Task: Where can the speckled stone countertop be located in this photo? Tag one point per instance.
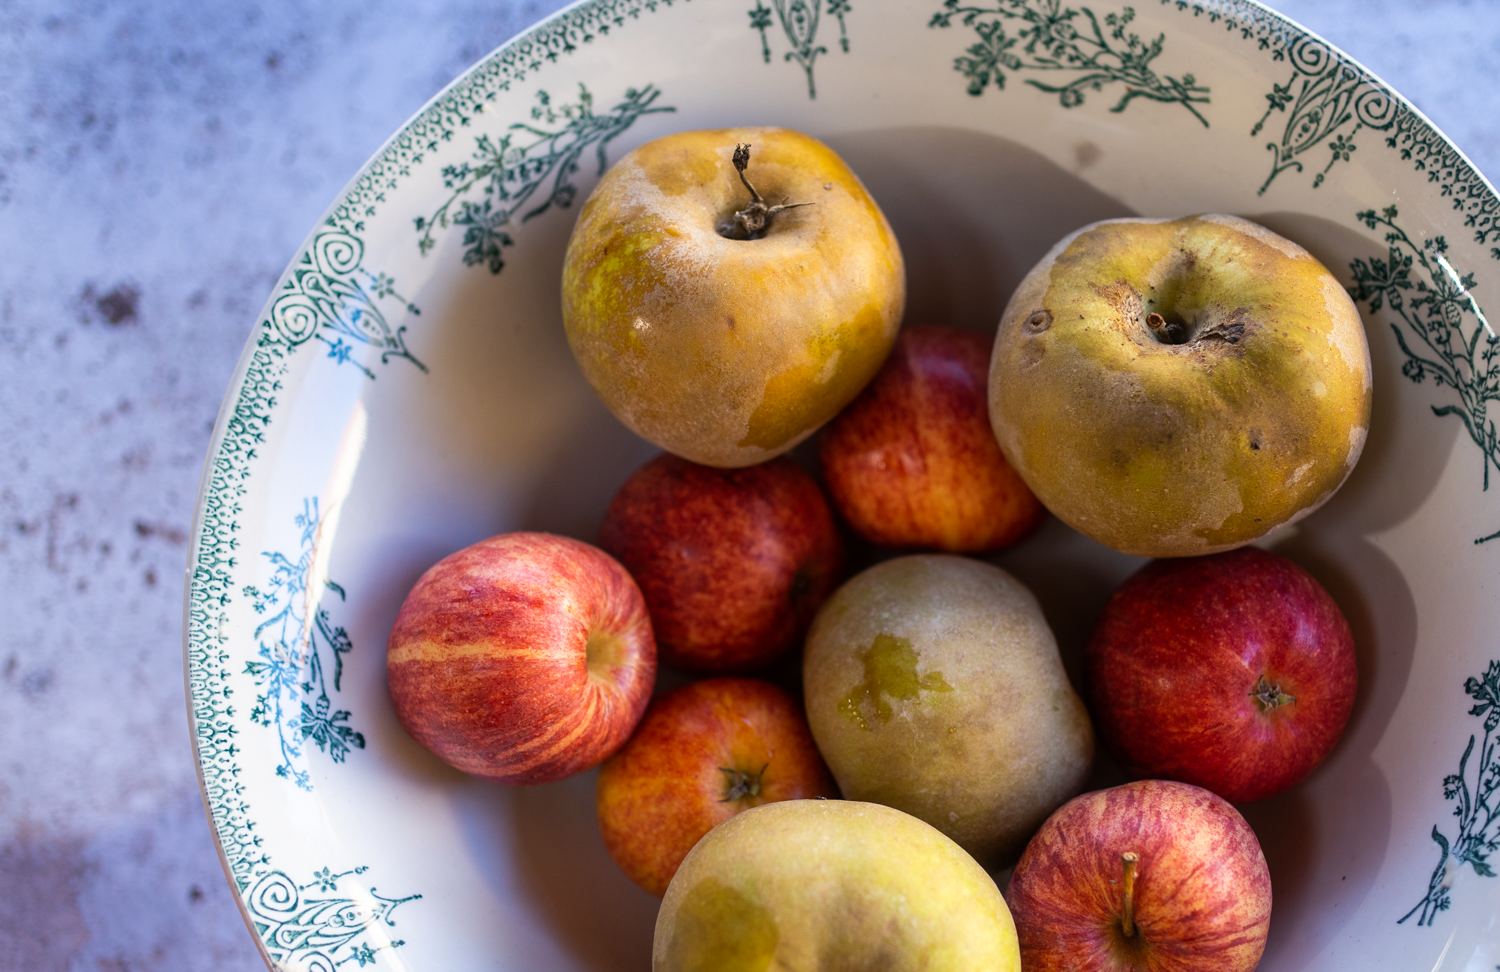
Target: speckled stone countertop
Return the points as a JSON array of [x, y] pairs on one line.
[[159, 164]]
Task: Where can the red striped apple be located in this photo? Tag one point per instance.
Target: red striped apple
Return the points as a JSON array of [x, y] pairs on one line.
[[525, 658], [1151, 876], [733, 562], [1233, 672], [702, 754], [912, 462]]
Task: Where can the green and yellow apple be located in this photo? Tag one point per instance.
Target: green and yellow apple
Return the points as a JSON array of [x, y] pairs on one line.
[[933, 685], [834, 886], [1180, 387], [727, 292]]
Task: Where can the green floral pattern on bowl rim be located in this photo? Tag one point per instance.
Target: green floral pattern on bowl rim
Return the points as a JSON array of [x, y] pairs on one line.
[[406, 391]]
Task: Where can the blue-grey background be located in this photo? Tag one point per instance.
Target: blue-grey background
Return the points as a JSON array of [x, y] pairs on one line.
[[160, 160]]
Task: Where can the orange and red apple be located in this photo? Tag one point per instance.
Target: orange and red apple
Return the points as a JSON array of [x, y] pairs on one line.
[[913, 462], [702, 754]]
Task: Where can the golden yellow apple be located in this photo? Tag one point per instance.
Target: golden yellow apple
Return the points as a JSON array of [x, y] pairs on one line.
[[834, 886], [724, 301], [1180, 387]]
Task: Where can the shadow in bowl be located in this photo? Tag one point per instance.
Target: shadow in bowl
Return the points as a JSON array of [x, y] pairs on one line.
[[1073, 577], [592, 909], [1326, 839], [969, 232], [1407, 448], [1346, 803]]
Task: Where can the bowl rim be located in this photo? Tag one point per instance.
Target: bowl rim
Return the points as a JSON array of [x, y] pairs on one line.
[[566, 31]]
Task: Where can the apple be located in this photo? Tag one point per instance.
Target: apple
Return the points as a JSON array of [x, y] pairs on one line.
[[912, 462], [1180, 387], [831, 885], [720, 327], [1154, 875], [702, 754], [732, 562], [933, 685], [524, 658], [1234, 672]]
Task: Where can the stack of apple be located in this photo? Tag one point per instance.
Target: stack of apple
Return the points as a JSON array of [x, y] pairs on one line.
[[1172, 388]]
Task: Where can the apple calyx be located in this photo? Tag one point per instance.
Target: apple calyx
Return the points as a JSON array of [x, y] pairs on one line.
[[1270, 695], [752, 222], [604, 652], [1128, 861], [739, 784]]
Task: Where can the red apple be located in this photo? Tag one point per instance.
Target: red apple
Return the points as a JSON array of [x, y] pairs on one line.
[[701, 755], [733, 562], [912, 461], [525, 658], [1233, 671], [1153, 875]]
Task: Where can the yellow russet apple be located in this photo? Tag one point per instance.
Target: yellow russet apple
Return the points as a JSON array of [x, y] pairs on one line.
[[727, 292], [1180, 387], [832, 885]]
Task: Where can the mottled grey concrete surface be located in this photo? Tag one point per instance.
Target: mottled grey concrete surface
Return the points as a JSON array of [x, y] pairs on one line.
[[159, 163]]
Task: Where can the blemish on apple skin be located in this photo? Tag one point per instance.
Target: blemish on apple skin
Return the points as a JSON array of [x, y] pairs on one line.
[[890, 673], [717, 928]]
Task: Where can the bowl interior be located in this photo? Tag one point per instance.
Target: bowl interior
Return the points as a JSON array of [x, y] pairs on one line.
[[409, 391]]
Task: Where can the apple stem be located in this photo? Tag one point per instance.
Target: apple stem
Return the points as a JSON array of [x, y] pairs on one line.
[[1128, 861], [739, 784], [1167, 332], [751, 222]]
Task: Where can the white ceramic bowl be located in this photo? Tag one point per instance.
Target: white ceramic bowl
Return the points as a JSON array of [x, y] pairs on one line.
[[408, 391]]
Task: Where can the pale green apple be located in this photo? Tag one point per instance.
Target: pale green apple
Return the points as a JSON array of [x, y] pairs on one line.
[[933, 685], [1180, 387], [831, 886]]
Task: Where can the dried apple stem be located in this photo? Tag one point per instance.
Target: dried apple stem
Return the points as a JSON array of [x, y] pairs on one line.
[[752, 222], [1128, 861], [1167, 332]]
